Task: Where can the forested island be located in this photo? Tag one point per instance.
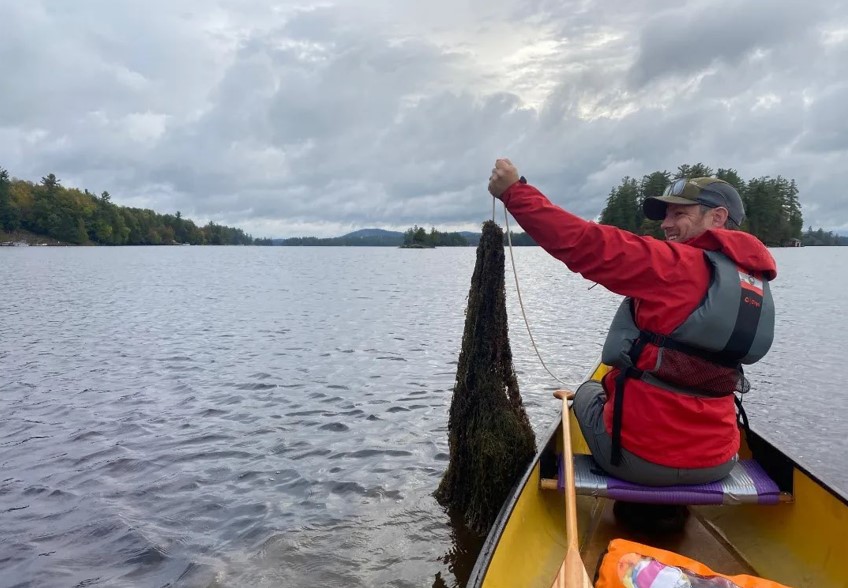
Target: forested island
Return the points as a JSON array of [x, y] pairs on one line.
[[772, 207]]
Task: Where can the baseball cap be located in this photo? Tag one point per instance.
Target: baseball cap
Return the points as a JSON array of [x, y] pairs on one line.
[[710, 192]]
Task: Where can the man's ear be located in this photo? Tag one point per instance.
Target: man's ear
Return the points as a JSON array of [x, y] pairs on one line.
[[720, 215]]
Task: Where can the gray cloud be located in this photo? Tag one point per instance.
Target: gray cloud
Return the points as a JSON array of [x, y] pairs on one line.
[[725, 33], [293, 119]]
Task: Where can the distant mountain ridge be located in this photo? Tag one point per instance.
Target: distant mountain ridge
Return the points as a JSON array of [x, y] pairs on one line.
[[373, 237], [360, 238], [372, 233]]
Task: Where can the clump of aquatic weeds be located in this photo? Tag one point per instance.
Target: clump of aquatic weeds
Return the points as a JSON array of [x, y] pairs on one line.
[[491, 440]]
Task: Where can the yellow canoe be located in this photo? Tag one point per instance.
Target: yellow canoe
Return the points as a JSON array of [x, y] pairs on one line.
[[802, 542]]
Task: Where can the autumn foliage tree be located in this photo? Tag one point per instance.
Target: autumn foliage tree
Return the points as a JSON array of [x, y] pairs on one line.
[[74, 216]]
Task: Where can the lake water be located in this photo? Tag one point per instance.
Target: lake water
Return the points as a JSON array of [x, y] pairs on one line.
[[252, 416]]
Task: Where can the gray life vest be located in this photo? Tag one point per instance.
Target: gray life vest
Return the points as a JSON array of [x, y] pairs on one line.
[[703, 356]]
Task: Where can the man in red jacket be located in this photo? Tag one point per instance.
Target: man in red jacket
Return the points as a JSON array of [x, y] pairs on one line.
[[697, 307]]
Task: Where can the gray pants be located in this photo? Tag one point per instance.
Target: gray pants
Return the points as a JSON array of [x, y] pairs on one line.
[[589, 409]]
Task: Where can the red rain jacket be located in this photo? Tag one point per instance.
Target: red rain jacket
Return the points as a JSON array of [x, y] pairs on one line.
[[667, 280]]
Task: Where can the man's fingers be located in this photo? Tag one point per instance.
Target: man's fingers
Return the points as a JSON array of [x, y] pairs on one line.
[[503, 162]]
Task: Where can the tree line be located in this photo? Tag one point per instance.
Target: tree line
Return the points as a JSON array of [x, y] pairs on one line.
[[344, 241], [413, 237], [772, 208], [821, 237], [81, 217], [383, 239], [417, 236]]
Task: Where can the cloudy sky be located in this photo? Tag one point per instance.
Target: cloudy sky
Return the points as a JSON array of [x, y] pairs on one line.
[[295, 118]]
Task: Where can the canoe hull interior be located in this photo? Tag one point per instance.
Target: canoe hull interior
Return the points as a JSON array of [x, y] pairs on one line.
[[800, 544]]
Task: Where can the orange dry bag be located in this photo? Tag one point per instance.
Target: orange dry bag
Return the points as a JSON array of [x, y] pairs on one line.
[[633, 565]]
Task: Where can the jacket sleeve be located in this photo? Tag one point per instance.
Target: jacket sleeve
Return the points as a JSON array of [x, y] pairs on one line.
[[624, 263]]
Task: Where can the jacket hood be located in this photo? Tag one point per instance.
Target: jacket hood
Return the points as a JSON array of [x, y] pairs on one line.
[[743, 248]]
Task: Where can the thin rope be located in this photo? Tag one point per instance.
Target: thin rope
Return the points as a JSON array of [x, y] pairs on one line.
[[518, 290]]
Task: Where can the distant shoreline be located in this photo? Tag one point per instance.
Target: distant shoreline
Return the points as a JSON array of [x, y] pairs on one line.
[[24, 238]]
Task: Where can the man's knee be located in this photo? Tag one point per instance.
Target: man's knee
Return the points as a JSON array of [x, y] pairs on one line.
[[588, 404]]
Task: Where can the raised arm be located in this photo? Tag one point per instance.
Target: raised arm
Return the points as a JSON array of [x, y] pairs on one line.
[[641, 267]]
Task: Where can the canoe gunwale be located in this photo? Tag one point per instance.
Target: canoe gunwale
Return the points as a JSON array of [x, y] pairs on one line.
[[773, 448]]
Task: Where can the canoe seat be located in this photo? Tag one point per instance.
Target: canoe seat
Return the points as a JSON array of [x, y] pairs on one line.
[[747, 483]]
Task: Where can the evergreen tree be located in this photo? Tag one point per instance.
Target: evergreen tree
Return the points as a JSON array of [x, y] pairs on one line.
[[699, 170], [653, 184], [45, 219], [792, 210], [10, 216], [51, 183], [773, 210], [623, 209], [731, 177], [420, 237]]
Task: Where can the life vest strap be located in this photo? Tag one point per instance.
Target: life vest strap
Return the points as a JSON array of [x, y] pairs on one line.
[[630, 371]]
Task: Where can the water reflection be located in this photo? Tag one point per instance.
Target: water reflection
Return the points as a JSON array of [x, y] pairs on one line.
[[459, 559]]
